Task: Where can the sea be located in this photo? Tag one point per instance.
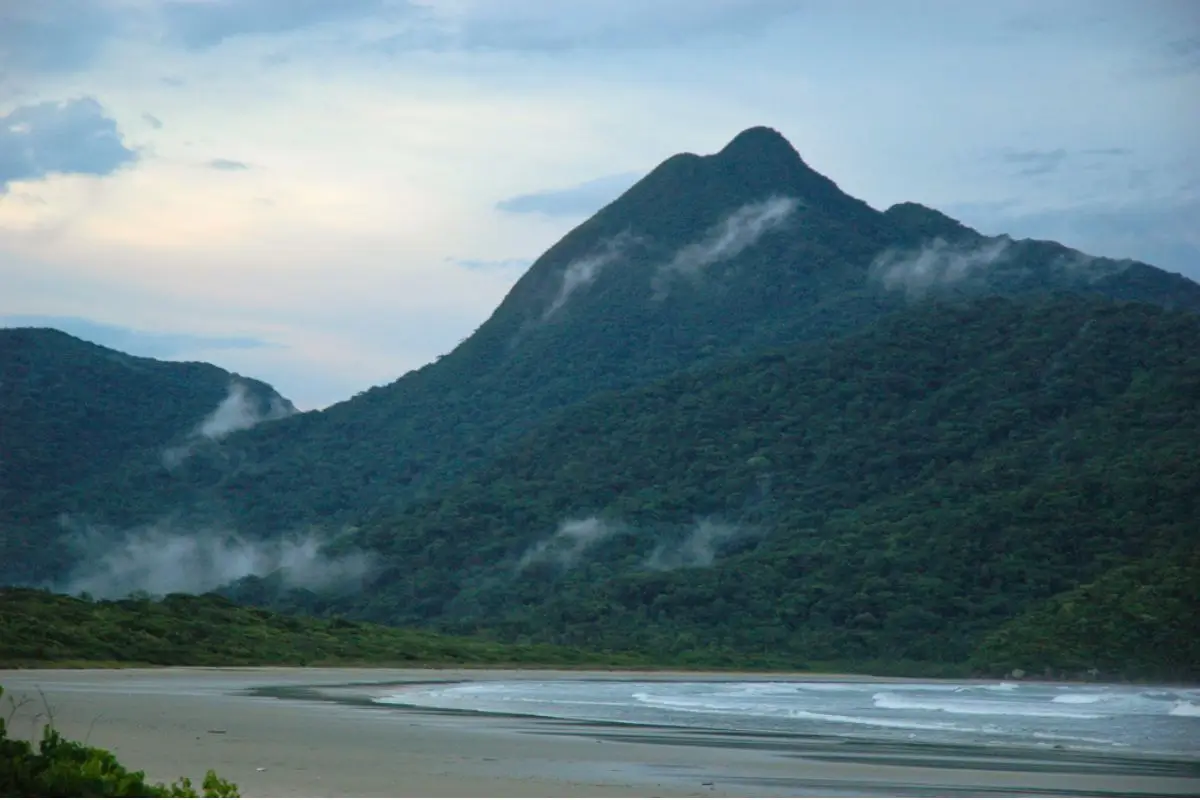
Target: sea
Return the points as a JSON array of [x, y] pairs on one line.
[[1131, 720]]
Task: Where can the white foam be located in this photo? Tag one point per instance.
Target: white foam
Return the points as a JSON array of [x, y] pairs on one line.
[[881, 723], [1063, 738], [711, 706], [896, 702], [1082, 699], [1096, 716], [1184, 709]]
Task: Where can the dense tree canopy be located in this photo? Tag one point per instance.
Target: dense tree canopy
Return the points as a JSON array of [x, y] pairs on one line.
[[890, 497], [737, 416], [40, 628]]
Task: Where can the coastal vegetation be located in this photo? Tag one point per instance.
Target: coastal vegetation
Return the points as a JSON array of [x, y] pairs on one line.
[[38, 628], [1138, 620]]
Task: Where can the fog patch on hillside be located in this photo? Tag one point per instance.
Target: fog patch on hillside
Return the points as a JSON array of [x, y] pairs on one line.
[[937, 264], [699, 548], [1090, 268], [239, 411], [735, 233], [162, 558], [569, 543], [583, 272]]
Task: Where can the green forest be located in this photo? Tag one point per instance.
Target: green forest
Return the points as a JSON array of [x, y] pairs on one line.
[[808, 454], [39, 628], [889, 499]]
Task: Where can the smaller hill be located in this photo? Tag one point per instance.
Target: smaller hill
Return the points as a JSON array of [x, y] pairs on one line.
[[72, 412], [1138, 620], [71, 408]]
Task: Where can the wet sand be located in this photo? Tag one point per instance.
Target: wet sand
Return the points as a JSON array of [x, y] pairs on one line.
[[315, 732]]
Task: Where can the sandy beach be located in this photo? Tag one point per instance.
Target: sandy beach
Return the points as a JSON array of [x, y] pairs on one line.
[[306, 732]]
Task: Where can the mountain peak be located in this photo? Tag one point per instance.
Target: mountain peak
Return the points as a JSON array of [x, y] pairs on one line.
[[760, 142]]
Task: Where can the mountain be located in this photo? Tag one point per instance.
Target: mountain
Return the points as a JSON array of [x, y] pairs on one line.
[[736, 415], [707, 258], [889, 497], [72, 413]]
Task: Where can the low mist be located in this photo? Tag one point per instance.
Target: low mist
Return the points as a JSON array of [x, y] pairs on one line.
[[727, 239], [239, 411], [1091, 268], [937, 264], [699, 548], [568, 544], [160, 559], [582, 272]]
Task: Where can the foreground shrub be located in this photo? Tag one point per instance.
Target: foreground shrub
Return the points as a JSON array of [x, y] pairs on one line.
[[60, 767]]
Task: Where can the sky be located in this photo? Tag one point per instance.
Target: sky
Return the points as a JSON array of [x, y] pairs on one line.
[[326, 194]]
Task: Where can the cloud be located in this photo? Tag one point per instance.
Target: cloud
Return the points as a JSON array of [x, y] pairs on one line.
[[572, 539], [1031, 163], [1107, 151], [492, 265], [58, 36], [239, 411], [69, 137], [727, 239], [1035, 162], [581, 200], [1182, 54], [1162, 233], [699, 549], [202, 24], [227, 165], [582, 272], [152, 121], [160, 559], [50, 36], [128, 340], [537, 26], [937, 263]]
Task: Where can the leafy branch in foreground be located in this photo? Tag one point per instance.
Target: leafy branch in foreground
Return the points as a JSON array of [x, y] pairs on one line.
[[60, 767]]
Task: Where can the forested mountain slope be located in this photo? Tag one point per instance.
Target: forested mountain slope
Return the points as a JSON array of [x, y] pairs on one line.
[[1138, 620], [892, 496], [707, 258], [73, 412]]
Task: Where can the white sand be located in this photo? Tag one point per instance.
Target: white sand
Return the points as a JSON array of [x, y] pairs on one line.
[[175, 722]]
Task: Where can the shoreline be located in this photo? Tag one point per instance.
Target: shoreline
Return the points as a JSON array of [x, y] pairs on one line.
[[306, 731], [642, 672]]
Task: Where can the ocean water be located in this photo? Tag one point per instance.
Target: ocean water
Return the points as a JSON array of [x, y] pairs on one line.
[[1131, 720]]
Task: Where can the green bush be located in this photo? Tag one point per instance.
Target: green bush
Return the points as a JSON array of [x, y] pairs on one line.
[[59, 767]]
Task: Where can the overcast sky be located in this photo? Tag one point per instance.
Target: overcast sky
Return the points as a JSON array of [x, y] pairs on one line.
[[325, 194]]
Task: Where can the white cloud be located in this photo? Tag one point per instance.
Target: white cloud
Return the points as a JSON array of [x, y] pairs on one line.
[[737, 231], [583, 271], [937, 263], [569, 543], [164, 558]]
